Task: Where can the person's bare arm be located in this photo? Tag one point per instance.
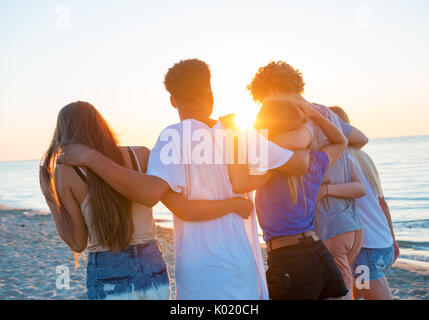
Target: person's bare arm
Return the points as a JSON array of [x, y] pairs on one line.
[[242, 181], [133, 185], [338, 143], [298, 164], [68, 218], [386, 211], [349, 190], [240, 178], [357, 138], [296, 139], [197, 210], [61, 217], [204, 210]]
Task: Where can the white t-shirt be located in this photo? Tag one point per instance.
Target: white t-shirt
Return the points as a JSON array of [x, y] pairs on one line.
[[376, 231], [221, 258]]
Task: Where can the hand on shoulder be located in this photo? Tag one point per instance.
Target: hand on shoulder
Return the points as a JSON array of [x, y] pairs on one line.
[[228, 121]]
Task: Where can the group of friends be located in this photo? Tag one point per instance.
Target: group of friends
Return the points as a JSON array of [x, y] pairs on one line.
[[318, 200]]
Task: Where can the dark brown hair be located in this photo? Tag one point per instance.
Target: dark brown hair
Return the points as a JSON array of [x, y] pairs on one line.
[[278, 76], [188, 80], [79, 122]]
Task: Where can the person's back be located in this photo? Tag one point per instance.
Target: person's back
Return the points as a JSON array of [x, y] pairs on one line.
[[285, 208], [89, 214], [144, 250], [376, 228], [213, 259], [277, 215], [334, 215], [141, 216], [379, 247], [218, 259], [337, 221]]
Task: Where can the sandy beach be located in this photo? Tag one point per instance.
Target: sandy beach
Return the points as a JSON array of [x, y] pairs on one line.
[[33, 256]]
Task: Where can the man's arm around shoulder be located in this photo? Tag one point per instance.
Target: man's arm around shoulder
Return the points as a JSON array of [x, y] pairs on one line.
[[133, 185]]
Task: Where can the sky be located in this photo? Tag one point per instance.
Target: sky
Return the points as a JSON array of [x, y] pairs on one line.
[[370, 57]]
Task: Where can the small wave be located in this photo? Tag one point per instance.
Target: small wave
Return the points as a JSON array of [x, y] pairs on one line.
[[393, 198], [422, 245], [27, 211], [412, 221], [422, 224]]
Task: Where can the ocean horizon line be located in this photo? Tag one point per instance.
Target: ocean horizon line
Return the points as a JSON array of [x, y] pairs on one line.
[[375, 138]]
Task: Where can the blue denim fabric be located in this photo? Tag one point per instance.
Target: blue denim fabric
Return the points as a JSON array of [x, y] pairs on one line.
[[333, 215], [378, 261], [138, 272]]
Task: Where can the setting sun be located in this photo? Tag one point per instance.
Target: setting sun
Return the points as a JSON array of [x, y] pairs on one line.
[[245, 120]]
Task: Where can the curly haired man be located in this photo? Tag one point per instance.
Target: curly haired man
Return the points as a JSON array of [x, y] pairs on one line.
[[338, 224]]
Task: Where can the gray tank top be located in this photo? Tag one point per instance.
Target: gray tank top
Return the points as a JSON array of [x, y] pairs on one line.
[[333, 216]]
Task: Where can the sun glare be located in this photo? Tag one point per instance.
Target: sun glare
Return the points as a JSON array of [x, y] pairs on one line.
[[245, 120]]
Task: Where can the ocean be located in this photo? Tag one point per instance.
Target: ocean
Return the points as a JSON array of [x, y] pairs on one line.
[[403, 164]]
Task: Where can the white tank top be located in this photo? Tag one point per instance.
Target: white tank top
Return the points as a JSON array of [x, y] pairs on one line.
[[144, 225]]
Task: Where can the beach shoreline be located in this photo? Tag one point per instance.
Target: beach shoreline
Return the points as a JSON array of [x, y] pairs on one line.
[[34, 257]]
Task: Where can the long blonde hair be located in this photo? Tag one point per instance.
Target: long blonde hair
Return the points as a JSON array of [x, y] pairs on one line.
[[364, 161], [79, 122], [368, 168], [280, 115]]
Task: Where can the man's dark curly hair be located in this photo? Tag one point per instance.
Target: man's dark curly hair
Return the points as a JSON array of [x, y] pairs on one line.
[[278, 76], [188, 80]]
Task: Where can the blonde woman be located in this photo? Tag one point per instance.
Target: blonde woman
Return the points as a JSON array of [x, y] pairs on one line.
[[380, 248], [300, 267]]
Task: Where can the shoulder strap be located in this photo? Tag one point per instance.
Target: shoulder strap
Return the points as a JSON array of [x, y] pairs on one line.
[[80, 173], [134, 159]]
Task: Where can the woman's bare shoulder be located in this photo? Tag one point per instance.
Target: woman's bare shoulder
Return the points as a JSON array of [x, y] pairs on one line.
[[142, 149], [143, 156], [65, 176]]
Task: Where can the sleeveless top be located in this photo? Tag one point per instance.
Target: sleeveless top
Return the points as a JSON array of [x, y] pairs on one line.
[[144, 225], [333, 215]]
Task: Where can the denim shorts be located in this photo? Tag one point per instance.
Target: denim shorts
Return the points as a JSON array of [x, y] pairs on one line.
[[305, 271], [136, 273], [377, 261]]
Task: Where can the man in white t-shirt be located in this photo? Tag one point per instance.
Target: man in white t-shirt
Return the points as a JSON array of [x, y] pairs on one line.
[[219, 258]]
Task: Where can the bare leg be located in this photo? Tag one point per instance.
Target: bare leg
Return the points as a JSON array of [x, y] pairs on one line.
[[357, 294], [378, 290]]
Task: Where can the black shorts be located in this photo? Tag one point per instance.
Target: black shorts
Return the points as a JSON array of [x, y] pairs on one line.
[[305, 271]]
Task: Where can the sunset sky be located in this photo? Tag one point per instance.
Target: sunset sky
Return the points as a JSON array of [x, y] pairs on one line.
[[370, 57]]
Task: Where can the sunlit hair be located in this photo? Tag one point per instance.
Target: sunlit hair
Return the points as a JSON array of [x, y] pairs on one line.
[[366, 164], [79, 122], [341, 113], [277, 116], [277, 76], [188, 81]]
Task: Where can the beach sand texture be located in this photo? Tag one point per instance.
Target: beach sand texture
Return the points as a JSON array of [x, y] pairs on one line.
[[31, 251]]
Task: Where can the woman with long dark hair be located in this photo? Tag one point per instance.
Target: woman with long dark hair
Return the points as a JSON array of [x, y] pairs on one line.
[[125, 260]]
